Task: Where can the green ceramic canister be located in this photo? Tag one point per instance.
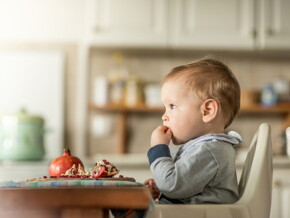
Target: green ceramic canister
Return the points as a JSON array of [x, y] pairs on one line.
[[21, 137]]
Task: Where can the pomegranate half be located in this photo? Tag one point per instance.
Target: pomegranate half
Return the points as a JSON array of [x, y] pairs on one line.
[[61, 164]]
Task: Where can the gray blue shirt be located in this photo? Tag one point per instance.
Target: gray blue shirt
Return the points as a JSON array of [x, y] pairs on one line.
[[203, 170]]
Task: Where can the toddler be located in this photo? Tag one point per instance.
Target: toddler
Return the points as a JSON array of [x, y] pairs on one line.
[[201, 99]]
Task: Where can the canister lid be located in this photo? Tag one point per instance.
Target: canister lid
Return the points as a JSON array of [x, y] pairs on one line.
[[23, 115]]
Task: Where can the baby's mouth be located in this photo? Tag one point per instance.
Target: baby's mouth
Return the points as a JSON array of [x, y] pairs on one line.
[[167, 127]]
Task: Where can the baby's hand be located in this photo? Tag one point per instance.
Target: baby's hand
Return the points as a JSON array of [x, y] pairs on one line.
[[153, 188], [161, 135]]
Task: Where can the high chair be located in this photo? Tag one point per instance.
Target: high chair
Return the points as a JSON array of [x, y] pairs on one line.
[[255, 188]]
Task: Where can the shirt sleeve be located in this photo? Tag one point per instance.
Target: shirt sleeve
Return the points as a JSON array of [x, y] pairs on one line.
[[187, 176], [157, 151]]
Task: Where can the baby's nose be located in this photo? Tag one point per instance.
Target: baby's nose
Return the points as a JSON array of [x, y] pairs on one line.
[[164, 117]]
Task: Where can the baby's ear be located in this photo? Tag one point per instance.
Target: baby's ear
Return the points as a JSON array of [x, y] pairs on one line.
[[209, 109]]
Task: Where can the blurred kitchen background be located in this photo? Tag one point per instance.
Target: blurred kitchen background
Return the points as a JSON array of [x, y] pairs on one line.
[[92, 70]]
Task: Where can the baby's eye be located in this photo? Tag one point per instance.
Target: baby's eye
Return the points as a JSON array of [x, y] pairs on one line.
[[172, 106]]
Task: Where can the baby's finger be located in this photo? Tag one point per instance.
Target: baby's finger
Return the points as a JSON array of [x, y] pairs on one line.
[[152, 183], [155, 195], [147, 182], [168, 131]]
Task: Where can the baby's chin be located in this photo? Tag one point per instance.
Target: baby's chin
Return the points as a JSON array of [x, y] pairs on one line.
[[179, 141], [176, 141]]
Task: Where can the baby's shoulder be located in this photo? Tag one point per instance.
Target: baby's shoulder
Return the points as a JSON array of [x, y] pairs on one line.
[[220, 150], [214, 148]]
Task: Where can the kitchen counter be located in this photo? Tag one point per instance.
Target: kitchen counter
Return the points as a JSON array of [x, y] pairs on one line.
[[141, 161], [135, 166], [279, 162], [130, 165]]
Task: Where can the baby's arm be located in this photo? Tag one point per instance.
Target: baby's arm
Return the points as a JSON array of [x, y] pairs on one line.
[[185, 177]]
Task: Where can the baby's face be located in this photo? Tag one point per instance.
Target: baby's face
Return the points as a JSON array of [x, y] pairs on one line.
[[183, 114]]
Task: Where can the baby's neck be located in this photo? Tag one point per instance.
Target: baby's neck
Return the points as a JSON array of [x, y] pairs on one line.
[[213, 129]]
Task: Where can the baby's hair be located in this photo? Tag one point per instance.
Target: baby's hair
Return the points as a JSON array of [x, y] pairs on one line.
[[210, 79]]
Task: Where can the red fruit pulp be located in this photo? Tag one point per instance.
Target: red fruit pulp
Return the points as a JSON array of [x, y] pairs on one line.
[[102, 173], [61, 164]]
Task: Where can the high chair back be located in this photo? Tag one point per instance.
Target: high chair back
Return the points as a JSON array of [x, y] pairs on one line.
[[255, 188]]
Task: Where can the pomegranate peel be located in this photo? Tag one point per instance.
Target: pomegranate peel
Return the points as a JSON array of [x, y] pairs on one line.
[[61, 164]]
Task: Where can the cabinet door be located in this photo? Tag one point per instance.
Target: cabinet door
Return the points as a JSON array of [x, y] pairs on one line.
[[280, 193], [226, 24], [276, 209], [127, 22], [274, 28], [285, 200], [41, 21]]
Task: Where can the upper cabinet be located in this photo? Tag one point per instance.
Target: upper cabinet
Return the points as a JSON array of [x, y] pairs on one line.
[[127, 22], [223, 24], [189, 24], [273, 24], [41, 21], [177, 24]]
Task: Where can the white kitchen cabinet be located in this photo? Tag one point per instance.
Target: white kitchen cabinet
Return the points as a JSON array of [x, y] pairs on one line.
[[170, 23], [41, 21], [126, 22], [273, 27], [280, 193], [224, 24], [276, 210], [230, 24], [285, 200], [189, 24]]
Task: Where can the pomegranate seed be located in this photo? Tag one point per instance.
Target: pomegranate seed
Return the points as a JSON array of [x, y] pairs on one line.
[[106, 162]]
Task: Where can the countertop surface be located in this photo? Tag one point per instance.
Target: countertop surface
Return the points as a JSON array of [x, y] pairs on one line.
[[130, 161], [130, 165], [140, 160], [278, 162]]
